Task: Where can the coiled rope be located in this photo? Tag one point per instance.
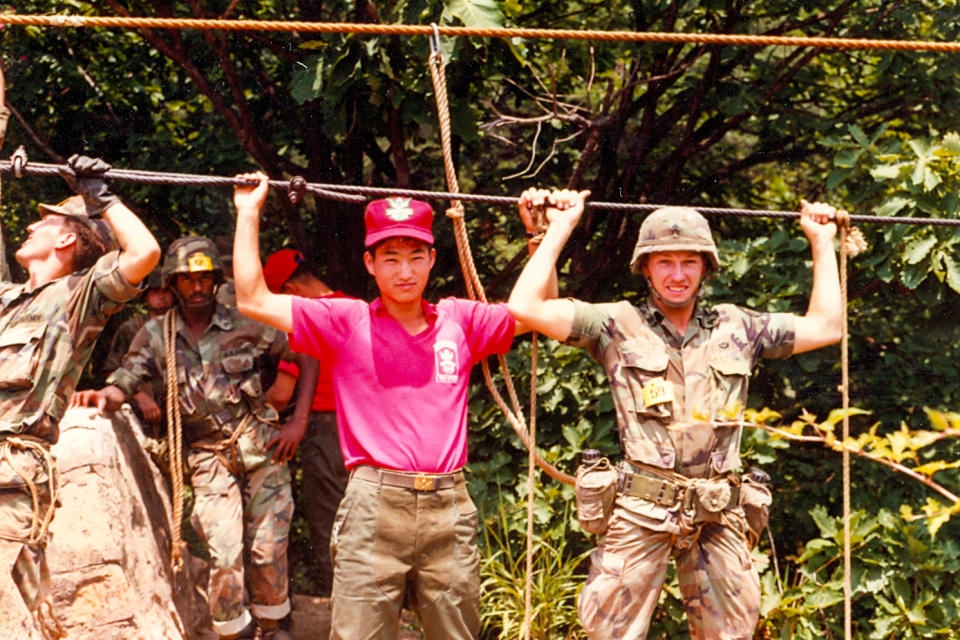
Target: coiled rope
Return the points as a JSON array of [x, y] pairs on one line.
[[174, 438], [480, 32]]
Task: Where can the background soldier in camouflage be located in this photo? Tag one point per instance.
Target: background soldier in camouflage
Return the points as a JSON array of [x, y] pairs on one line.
[[157, 298], [678, 372], [48, 328], [241, 491]]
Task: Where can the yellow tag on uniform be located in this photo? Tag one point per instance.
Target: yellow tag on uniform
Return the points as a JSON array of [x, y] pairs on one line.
[[199, 262], [657, 391]]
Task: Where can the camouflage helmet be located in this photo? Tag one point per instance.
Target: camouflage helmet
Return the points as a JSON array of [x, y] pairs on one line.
[[191, 254], [674, 229], [154, 280]]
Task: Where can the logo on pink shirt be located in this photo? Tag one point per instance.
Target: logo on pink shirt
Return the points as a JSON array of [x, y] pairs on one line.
[[445, 361]]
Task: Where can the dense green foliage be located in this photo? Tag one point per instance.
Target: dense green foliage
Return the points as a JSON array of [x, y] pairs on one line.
[[872, 131]]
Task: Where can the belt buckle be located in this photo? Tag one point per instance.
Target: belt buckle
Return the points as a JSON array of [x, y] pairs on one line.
[[424, 482]]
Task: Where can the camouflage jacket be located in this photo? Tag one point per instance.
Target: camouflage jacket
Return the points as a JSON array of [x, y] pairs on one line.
[[121, 341], [46, 337], [220, 379], [680, 399]]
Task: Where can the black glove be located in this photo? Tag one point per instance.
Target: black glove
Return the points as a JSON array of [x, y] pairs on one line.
[[84, 176]]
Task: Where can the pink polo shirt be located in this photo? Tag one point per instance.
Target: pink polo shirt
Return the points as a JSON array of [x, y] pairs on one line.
[[401, 399]]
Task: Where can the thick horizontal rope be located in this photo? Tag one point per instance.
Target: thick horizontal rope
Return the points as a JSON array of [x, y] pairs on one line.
[[505, 32], [159, 177], [356, 193]]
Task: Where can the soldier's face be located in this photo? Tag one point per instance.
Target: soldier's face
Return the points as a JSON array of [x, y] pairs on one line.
[[195, 289], [43, 237], [675, 275], [159, 300], [401, 267]]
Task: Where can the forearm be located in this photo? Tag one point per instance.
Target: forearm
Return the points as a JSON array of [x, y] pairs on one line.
[[822, 324], [538, 280], [306, 386], [254, 299], [139, 249]]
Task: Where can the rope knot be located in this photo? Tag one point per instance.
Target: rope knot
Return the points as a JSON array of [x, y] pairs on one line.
[[455, 212], [852, 240], [298, 186], [19, 161]]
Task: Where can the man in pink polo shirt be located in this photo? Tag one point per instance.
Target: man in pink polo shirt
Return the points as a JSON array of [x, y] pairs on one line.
[[406, 529]]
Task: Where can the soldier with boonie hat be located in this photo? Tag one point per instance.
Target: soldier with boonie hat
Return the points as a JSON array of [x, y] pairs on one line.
[[678, 370], [84, 258]]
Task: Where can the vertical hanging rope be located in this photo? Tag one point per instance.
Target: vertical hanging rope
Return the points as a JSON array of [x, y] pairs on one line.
[[174, 438], [531, 485], [844, 224], [475, 291], [471, 279]]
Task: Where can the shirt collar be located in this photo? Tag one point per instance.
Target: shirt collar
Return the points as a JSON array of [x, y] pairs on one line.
[[222, 318], [703, 314], [429, 310]]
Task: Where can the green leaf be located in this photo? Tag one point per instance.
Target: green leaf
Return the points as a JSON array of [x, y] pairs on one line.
[[951, 142], [893, 206], [825, 597], [918, 249], [827, 524], [952, 272], [483, 14], [887, 171]]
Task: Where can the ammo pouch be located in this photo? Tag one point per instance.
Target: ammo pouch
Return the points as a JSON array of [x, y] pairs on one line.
[[596, 488], [755, 498]]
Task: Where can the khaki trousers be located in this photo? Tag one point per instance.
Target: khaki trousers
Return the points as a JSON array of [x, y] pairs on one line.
[[718, 582], [393, 547]]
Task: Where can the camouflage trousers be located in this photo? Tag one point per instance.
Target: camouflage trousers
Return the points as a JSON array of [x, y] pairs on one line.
[[718, 582], [392, 547], [242, 519], [24, 577], [323, 481]]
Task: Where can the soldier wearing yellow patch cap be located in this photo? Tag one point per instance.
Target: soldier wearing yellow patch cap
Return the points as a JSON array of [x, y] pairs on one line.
[[241, 485]]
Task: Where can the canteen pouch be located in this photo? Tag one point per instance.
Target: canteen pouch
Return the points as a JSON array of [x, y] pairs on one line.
[[596, 488], [755, 498], [713, 497]]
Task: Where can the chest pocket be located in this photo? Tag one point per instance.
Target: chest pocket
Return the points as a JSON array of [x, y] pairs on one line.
[[20, 355], [644, 370], [730, 369], [241, 374]]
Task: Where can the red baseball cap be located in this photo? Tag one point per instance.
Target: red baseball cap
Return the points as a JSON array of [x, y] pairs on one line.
[[398, 217], [280, 266]]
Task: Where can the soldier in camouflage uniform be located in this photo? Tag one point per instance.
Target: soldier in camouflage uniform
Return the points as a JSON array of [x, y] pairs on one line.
[[678, 370], [48, 328], [157, 298], [242, 499]]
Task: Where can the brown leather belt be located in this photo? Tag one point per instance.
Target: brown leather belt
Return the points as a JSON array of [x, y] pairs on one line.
[[664, 492], [407, 480]]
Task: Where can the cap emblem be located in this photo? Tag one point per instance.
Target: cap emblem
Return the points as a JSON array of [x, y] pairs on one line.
[[200, 262], [398, 209]]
